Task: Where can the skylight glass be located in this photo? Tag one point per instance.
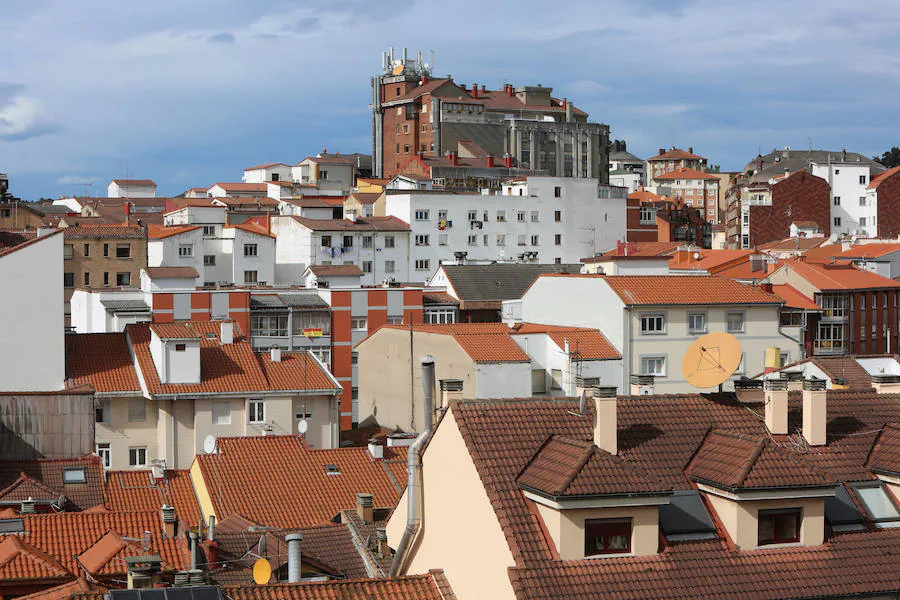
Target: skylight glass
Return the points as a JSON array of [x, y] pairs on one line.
[[878, 504]]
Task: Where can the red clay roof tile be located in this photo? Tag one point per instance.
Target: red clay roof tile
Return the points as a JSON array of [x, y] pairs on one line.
[[431, 586], [101, 360], [137, 490], [687, 289]]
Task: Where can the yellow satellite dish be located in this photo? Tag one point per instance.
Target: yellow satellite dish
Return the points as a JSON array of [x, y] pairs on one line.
[[711, 360], [397, 70], [262, 571]]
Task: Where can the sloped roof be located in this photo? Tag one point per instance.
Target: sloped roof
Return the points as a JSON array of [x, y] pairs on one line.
[[252, 227], [687, 289], [48, 473], [589, 344], [641, 249], [80, 588], [838, 277], [675, 154], [172, 272], [366, 198], [260, 201], [135, 182], [26, 487], [798, 243], [431, 586], [21, 560], [240, 187], [137, 490], [106, 232], [159, 232], [336, 270], [108, 554], [885, 456], [881, 177], [298, 491], [793, 298], [710, 260], [360, 224], [876, 250], [101, 360], [265, 166], [685, 173], [497, 282]]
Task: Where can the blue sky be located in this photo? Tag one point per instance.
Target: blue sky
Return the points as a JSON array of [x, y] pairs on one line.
[[189, 93]]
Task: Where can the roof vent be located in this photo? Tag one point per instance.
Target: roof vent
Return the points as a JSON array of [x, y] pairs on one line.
[[27, 507]]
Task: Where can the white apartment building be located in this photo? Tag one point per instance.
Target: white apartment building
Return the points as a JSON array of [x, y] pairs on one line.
[[267, 172], [653, 320], [538, 220], [379, 246], [853, 208], [131, 188], [200, 237], [326, 172]]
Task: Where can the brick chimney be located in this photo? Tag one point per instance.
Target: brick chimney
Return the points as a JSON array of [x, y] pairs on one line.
[[454, 159], [490, 161], [364, 509], [170, 525], [605, 419], [815, 413], [474, 90], [776, 395], [507, 161]]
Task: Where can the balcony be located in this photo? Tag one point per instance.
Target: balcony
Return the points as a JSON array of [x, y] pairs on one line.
[[830, 347]]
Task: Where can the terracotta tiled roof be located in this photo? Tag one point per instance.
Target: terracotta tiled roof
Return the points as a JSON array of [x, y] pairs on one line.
[[101, 360], [432, 586], [240, 187], [710, 260], [734, 461], [261, 201], [137, 490], [589, 344], [483, 342], [675, 154], [172, 272], [645, 249], [265, 166], [106, 232], [885, 456], [568, 467], [367, 198], [252, 227], [794, 244], [159, 232], [884, 175], [64, 536], [645, 196], [336, 270], [793, 298], [298, 490], [12, 238], [839, 277], [297, 371], [175, 331], [870, 250], [24, 488], [108, 554], [845, 368], [333, 159], [135, 182], [439, 298], [360, 224], [48, 474], [674, 289], [79, 588], [685, 173], [20, 560]]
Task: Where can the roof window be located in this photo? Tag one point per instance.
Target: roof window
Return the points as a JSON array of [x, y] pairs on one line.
[[878, 504], [842, 513], [74, 476], [332, 470], [686, 518]]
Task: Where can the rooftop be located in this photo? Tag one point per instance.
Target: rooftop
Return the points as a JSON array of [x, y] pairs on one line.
[[42, 479], [431, 586], [110, 232], [171, 272], [498, 281], [360, 224], [838, 277], [676, 154], [335, 270], [134, 182], [685, 173]]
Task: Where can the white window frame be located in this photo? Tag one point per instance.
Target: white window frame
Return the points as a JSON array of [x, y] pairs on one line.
[[359, 324], [423, 240], [654, 315], [74, 475], [421, 215], [256, 411], [389, 241], [645, 362], [743, 315], [104, 451], [224, 413], [390, 266], [185, 250], [423, 264], [367, 266], [139, 454], [691, 328], [251, 250]]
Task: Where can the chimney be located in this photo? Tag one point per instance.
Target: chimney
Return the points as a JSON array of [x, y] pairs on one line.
[[749, 390], [381, 538], [454, 159], [293, 541], [376, 449], [490, 161], [690, 150], [143, 571], [605, 420], [127, 207], [815, 413], [776, 403], [211, 529], [211, 548], [767, 287], [170, 525], [793, 379], [193, 546], [268, 223], [510, 91], [662, 150], [507, 161], [569, 112], [643, 385], [275, 354], [885, 383], [474, 90], [364, 509], [27, 506], [451, 389], [226, 333]]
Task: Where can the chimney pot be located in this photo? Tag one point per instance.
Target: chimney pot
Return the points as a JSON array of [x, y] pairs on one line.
[[376, 449], [605, 424], [776, 395], [490, 161], [226, 333], [27, 507], [167, 514], [364, 509], [294, 557], [275, 354], [815, 412], [381, 537]]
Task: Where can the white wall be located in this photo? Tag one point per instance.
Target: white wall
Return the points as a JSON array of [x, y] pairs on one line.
[[844, 181], [263, 175], [164, 252], [32, 344], [113, 190], [503, 380], [263, 263]]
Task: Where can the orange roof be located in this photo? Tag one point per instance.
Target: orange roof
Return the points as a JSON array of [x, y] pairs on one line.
[[878, 179], [645, 196], [109, 553], [252, 227], [80, 587], [710, 259], [101, 360], [137, 490], [429, 586], [674, 289], [685, 173], [265, 166], [793, 298], [240, 187], [870, 250], [159, 232], [20, 560], [839, 277], [296, 488], [675, 154], [296, 371], [645, 249], [174, 331], [589, 344], [251, 201]]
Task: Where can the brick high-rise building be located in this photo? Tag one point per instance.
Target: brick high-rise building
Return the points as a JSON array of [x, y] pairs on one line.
[[523, 127]]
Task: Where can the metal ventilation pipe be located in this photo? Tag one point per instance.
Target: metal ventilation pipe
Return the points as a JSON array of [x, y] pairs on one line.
[[293, 541], [414, 491]]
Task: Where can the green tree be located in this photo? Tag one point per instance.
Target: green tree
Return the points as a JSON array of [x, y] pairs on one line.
[[890, 159]]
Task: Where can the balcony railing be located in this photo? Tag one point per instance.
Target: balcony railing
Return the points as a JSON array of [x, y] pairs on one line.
[[824, 347]]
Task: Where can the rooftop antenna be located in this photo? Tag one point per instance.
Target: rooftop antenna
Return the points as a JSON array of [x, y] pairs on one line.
[[85, 186]]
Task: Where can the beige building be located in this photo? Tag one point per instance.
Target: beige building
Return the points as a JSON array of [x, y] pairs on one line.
[[102, 256], [364, 204], [165, 391], [619, 497], [20, 215]]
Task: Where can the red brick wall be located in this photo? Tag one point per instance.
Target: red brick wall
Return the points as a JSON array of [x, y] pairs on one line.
[[800, 197], [888, 215], [635, 232], [394, 144], [862, 340]]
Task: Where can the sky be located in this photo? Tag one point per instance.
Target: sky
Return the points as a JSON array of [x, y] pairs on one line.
[[190, 93]]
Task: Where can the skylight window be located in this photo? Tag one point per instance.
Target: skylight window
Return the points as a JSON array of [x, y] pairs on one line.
[[74, 476], [332, 470], [842, 513], [878, 504], [685, 518]]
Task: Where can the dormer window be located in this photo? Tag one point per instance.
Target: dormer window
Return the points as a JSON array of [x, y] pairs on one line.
[[779, 526], [607, 536], [180, 347]]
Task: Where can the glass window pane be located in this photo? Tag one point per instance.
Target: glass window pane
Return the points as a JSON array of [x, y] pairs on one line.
[[877, 502]]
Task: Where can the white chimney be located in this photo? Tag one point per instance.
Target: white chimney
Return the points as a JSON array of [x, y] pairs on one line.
[[294, 571], [815, 413], [643, 385], [605, 419], [376, 449], [226, 332], [275, 354], [776, 395]]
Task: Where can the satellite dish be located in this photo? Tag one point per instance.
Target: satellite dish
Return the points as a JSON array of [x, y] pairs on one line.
[[501, 254], [696, 256], [209, 444], [302, 426], [397, 70], [262, 571], [711, 360]]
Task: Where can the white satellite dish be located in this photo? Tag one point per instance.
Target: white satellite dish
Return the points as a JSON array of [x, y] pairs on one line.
[[209, 444], [501, 254], [302, 426]]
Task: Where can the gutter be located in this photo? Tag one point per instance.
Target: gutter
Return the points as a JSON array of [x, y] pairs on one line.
[[414, 488]]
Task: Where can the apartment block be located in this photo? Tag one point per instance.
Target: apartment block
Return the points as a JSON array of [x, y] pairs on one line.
[[692, 188], [883, 194], [673, 159]]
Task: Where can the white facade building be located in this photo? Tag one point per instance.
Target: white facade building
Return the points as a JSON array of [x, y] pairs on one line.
[[131, 188], [267, 172], [379, 246], [853, 208], [540, 220]]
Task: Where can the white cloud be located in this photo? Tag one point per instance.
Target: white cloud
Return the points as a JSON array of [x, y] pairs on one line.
[[22, 118]]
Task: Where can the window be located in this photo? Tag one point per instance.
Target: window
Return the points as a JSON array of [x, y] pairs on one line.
[[442, 239], [250, 250], [406, 149], [323, 355], [406, 128], [557, 215], [87, 250], [68, 251], [862, 221], [653, 323], [256, 411], [501, 216], [697, 322], [442, 215], [367, 241], [326, 241], [209, 260], [137, 456], [389, 266], [653, 365], [557, 192], [791, 318], [269, 325], [221, 413], [423, 264], [607, 536], [648, 215], [68, 280], [185, 250], [784, 359], [484, 216], [440, 316], [484, 241], [535, 240], [250, 276], [74, 476], [348, 241], [137, 410], [123, 279], [535, 216], [105, 454], [388, 241], [837, 200], [862, 200], [101, 411], [87, 280], [123, 250], [5, 213], [394, 321], [359, 324], [501, 239], [106, 278], [779, 526], [473, 239], [878, 504], [521, 240], [367, 266], [862, 179], [106, 250], [520, 216], [735, 322], [837, 221], [556, 379], [473, 215], [423, 240]]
